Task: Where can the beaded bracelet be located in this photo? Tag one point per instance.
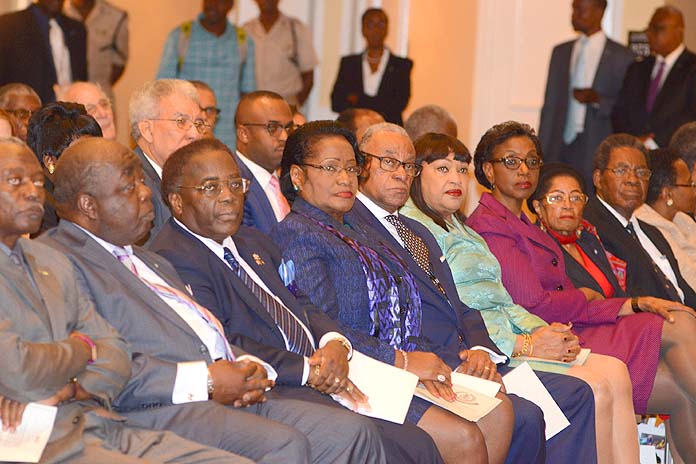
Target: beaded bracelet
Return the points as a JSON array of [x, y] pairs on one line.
[[405, 356]]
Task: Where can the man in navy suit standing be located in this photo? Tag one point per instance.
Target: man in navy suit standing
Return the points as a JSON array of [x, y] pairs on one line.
[[263, 120], [238, 274]]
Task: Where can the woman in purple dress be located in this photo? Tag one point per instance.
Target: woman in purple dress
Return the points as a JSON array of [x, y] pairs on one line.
[[655, 338]]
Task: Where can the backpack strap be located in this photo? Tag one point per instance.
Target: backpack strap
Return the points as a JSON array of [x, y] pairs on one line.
[[242, 44], [184, 40]]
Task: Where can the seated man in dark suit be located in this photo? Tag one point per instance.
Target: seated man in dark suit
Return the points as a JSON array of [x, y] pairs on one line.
[[621, 175], [234, 272], [181, 357], [384, 188], [163, 115], [263, 120], [659, 92], [56, 349]]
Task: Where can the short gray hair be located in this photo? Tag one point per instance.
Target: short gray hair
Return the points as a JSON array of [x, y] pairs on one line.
[[430, 118], [684, 143], [14, 141], [64, 96], [144, 103], [381, 127], [18, 89]]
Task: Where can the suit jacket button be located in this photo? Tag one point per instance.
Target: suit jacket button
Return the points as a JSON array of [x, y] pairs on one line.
[[554, 261], [203, 349], [460, 339], [76, 419], [559, 288]]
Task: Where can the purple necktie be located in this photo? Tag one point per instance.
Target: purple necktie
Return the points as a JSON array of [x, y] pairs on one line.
[[654, 87]]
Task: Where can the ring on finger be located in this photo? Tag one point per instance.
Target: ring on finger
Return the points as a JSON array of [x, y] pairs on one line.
[[317, 368], [349, 388], [337, 380], [486, 368], [441, 378]]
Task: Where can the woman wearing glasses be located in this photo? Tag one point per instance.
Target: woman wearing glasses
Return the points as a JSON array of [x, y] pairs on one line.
[[436, 196], [670, 201], [365, 286], [659, 354]]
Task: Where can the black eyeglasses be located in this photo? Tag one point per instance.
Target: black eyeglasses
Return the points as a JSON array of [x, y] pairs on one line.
[[392, 164], [622, 171], [334, 170], [514, 162], [690, 184], [214, 188], [272, 127]]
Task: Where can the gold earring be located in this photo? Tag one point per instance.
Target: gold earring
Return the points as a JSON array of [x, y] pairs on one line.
[[51, 168], [670, 202]]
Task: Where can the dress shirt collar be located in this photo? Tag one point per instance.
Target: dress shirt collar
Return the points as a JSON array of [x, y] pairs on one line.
[[262, 176], [110, 247], [622, 220], [672, 57], [379, 212], [155, 166], [215, 247]]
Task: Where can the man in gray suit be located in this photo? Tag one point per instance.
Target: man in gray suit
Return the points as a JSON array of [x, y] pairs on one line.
[[180, 355], [164, 115], [46, 320], [585, 77]]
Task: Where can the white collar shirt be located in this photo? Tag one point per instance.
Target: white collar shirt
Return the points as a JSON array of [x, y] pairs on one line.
[[381, 214], [372, 81], [669, 61]]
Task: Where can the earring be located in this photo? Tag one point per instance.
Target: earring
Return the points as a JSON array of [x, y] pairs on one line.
[[51, 168], [296, 187], [670, 202], [492, 187]]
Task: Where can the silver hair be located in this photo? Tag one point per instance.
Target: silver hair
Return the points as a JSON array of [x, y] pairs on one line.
[[76, 83], [144, 103], [18, 89], [428, 118], [381, 127], [14, 141]]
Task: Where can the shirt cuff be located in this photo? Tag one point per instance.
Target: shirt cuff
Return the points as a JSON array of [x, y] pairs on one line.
[[305, 371], [191, 383], [495, 357], [270, 372], [331, 336]]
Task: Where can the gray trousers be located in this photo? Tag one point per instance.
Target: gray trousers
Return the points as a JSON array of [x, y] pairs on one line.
[[279, 431]]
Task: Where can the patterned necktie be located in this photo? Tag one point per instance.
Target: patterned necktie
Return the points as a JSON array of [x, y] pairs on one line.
[[298, 341], [60, 53], [654, 88], [666, 283], [282, 203], [416, 248], [172, 294], [575, 118]]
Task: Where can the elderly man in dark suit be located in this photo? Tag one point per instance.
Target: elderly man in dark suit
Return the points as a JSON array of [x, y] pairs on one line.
[[41, 47], [584, 80], [375, 79], [659, 92], [238, 274], [621, 176], [46, 319], [164, 115], [105, 207], [263, 120], [384, 188]]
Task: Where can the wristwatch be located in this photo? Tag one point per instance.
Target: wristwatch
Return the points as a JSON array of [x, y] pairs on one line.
[[211, 386]]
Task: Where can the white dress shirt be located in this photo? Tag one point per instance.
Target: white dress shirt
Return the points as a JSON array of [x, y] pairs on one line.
[[669, 61], [658, 258], [381, 214], [155, 166], [263, 178], [219, 251], [372, 81], [191, 383], [593, 54]]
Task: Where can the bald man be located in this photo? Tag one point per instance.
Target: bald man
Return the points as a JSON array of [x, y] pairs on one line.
[[47, 319], [263, 121], [196, 385], [430, 118], [96, 103], [359, 119], [659, 92]]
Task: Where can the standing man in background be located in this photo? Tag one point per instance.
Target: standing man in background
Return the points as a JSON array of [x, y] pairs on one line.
[[213, 50], [585, 77], [285, 56], [107, 40]]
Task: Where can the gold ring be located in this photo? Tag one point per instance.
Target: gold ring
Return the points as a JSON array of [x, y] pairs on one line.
[[486, 368], [317, 368], [337, 380], [349, 388]]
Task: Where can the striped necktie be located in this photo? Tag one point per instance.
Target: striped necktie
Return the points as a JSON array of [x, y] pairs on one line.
[[297, 339], [172, 294]]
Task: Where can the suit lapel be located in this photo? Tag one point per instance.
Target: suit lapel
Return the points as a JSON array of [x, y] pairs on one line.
[[19, 280], [603, 67], [673, 80]]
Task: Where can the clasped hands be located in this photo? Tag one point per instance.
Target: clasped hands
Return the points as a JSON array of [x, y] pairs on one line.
[[239, 383], [556, 341], [329, 374]]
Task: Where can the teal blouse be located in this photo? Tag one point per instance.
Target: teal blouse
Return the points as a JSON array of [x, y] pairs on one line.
[[477, 274]]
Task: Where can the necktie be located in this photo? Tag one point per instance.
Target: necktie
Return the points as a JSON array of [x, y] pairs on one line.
[[416, 248], [669, 288], [282, 203], [60, 52], [575, 118], [172, 294], [654, 88], [298, 341]]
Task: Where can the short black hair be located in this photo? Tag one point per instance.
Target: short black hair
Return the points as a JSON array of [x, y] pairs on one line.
[[56, 125], [603, 152], [664, 174], [370, 11], [250, 97], [495, 136], [299, 145], [432, 147], [173, 169], [547, 174], [684, 143]]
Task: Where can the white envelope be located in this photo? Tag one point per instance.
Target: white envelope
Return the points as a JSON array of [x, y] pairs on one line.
[[27, 443]]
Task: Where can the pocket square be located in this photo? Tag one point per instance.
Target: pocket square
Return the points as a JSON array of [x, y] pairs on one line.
[[286, 270]]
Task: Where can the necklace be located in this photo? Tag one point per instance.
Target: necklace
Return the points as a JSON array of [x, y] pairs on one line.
[[372, 60]]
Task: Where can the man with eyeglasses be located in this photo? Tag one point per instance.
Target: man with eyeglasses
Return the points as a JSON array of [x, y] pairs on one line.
[[263, 121], [209, 106], [621, 175], [21, 101], [96, 103], [164, 115]]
